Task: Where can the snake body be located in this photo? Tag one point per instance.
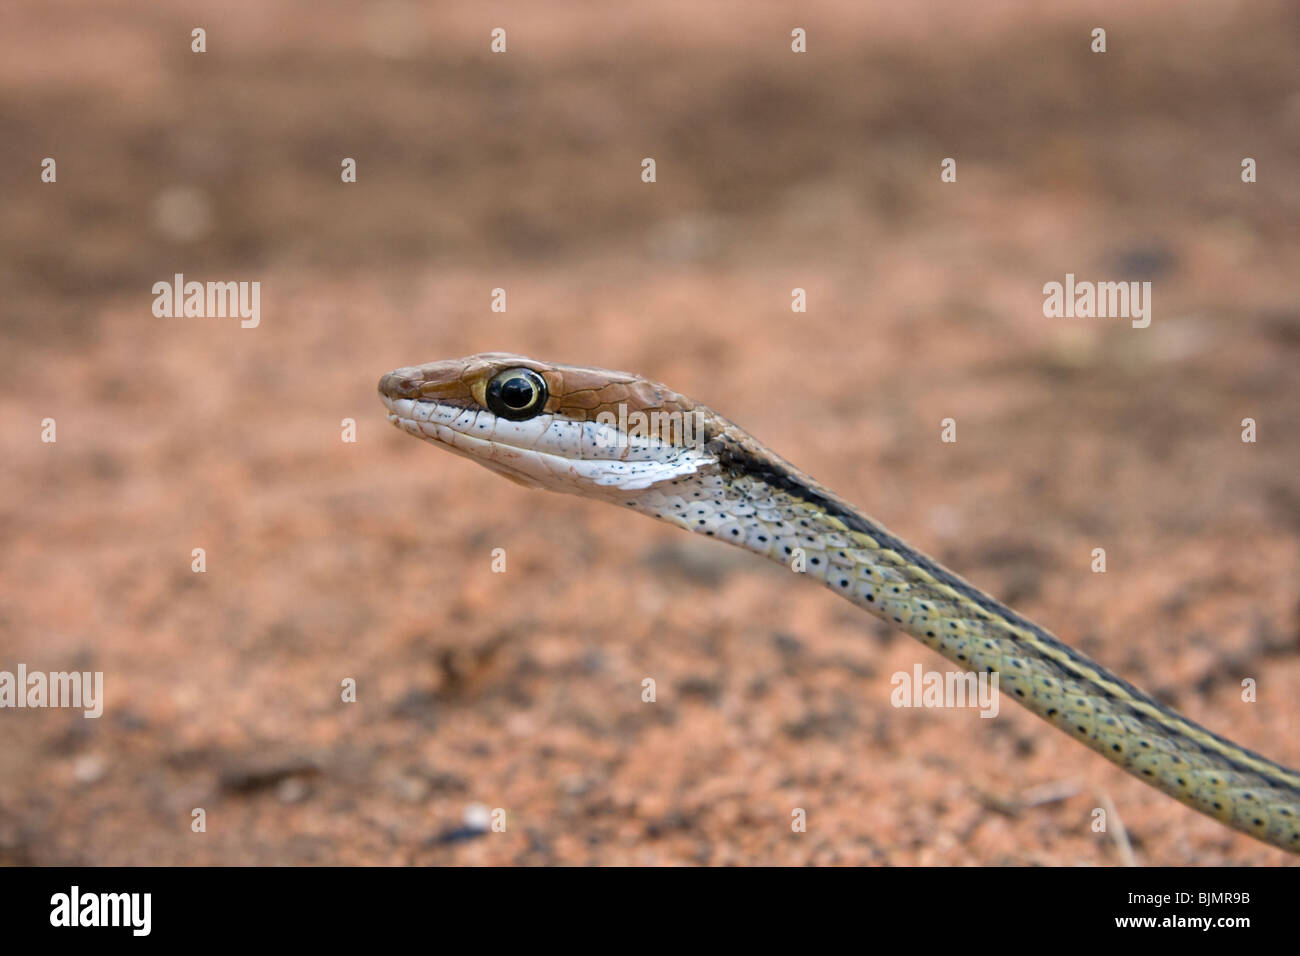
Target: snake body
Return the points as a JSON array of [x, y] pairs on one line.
[[563, 428]]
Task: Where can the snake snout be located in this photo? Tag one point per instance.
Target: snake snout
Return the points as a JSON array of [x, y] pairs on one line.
[[401, 383], [434, 380]]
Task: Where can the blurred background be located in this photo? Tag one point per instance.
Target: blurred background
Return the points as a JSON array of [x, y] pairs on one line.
[[522, 691]]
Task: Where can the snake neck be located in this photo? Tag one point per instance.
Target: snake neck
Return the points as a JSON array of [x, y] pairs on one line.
[[754, 500]]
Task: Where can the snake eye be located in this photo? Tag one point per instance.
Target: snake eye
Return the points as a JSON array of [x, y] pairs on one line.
[[516, 394]]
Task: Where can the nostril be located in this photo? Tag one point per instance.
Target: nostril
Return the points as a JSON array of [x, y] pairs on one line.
[[396, 384]]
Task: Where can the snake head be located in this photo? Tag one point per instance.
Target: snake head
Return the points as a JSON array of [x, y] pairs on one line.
[[565, 428]]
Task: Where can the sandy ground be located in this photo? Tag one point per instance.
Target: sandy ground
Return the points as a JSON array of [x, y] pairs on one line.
[[371, 560]]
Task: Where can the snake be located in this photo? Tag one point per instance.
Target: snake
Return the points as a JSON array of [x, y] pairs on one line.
[[620, 438]]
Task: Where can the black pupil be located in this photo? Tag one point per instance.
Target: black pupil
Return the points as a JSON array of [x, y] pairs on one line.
[[517, 393]]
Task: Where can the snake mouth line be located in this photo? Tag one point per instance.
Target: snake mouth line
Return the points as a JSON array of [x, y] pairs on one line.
[[459, 443]]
